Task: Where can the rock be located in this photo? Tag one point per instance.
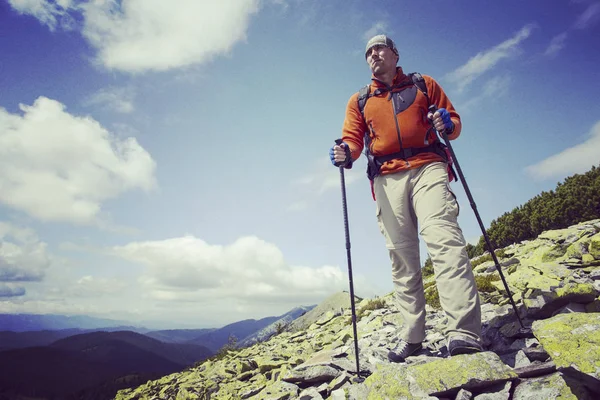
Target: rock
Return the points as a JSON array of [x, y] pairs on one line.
[[542, 304], [439, 377], [314, 374], [594, 247], [571, 308], [521, 360], [545, 387], [535, 369], [310, 394], [464, 395], [279, 391], [573, 342], [499, 392]]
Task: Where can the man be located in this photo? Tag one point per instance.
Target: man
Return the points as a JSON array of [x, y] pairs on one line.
[[409, 177]]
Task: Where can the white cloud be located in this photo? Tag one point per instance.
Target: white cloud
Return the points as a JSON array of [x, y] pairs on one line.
[[487, 60], [323, 177], [249, 270], [49, 13], [119, 99], [59, 167], [379, 27], [141, 35], [158, 35], [493, 89], [23, 257], [589, 17], [556, 44], [88, 286], [574, 160]]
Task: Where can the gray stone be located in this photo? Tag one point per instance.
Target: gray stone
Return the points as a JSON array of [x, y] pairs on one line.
[[464, 395], [310, 394], [545, 387], [498, 392], [252, 392], [521, 360], [314, 374], [571, 308], [440, 376]]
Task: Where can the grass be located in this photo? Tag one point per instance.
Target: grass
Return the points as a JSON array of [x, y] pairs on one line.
[[432, 297], [484, 282], [488, 257], [373, 304]]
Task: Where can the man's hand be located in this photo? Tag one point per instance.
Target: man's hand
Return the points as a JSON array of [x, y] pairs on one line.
[[441, 121], [340, 155]]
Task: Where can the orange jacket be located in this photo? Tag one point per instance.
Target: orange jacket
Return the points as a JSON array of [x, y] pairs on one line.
[[414, 128]]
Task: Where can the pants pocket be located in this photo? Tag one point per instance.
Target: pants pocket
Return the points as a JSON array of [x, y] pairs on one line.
[[379, 221], [452, 200]]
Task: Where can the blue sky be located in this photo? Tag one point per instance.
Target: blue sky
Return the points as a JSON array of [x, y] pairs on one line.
[[166, 162]]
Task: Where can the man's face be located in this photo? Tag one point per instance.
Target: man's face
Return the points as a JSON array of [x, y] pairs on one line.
[[381, 59]]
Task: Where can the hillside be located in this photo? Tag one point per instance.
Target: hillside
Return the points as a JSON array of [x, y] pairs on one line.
[[177, 335], [98, 362], [216, 339], [99, 344], [555, 280], [18, 340]]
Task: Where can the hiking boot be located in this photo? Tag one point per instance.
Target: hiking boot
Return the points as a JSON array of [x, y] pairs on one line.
[[402, 350], [463, 345]]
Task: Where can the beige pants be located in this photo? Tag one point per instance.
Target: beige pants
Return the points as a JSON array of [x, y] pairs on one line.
[[424, 195]]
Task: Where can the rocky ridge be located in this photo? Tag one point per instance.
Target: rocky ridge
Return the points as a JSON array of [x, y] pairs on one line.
[[555, 281]]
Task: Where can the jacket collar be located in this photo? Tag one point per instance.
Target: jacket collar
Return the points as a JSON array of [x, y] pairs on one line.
[[400, 78]]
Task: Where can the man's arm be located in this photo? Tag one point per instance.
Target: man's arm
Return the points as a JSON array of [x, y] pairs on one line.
[[438, 97], [354, 127]]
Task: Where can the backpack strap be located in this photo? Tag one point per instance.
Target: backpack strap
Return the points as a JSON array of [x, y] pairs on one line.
[[363, 95], [419, 82]]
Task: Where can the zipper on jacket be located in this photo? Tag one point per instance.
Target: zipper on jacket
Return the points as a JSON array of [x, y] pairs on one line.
[[371, 144], [397, 125]]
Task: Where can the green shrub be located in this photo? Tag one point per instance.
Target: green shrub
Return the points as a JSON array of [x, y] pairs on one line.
[[432, 297], [484, 282], [488, 257], [374, 304], [427, 269], [280, 327]]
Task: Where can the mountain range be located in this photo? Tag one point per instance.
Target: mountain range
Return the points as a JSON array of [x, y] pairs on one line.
[[62, 357]]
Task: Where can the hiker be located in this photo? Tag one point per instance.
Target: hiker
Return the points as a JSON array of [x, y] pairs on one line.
[[410, 170]]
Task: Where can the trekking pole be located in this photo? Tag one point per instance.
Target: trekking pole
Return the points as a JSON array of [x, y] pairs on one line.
[[348, 256], [433, 109]]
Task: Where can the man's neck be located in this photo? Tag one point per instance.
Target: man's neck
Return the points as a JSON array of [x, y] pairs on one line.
[[387, 78]]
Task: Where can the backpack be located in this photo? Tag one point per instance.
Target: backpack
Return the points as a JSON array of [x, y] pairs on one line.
[[374, 163]]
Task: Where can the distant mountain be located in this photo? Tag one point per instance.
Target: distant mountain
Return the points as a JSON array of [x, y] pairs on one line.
[[35, 322], [281, 323], [98, 345], [178, 335], [98, 362], [243, 330], [18, 340]]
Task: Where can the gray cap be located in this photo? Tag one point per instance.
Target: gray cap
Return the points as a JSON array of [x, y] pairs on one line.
[[381, 40]]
